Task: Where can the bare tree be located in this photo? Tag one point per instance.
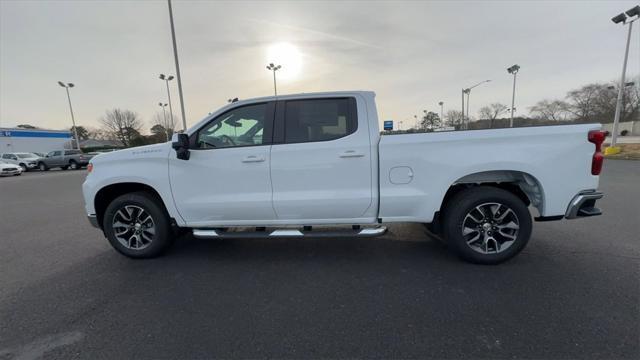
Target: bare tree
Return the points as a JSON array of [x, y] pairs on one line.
[[492, 112], [124, 125], [556, 110], [166, 122], [583, 101], [454, 118]]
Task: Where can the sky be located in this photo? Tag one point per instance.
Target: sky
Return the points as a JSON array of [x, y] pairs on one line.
[[412, 54]]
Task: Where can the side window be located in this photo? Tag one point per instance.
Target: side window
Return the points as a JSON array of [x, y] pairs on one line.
[[243, 126], [55, 153], [6, 156], [319, 119], [71, 152]]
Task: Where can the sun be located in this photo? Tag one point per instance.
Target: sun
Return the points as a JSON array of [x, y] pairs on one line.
[[288, 56]]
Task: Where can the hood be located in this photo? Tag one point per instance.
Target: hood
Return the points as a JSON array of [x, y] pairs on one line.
[[8, 166], [147, 151]]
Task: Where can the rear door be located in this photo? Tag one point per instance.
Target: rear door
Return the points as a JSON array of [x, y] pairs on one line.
[[54, 158], [321, 162]]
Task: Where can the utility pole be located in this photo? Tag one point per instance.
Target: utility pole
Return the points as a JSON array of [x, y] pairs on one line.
[[73, 120], [274, 68], [513, 70], [166, 80], [622, 18], [175, 56], [164, 114]]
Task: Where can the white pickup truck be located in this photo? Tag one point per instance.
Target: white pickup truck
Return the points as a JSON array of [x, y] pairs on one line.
[[312, 165]]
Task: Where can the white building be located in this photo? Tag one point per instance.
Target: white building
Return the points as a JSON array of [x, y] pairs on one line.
[[30, 140]]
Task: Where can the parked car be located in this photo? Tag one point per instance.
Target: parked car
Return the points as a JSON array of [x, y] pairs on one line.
[[65, 159], [27, 161], [289, 165], [8, 169]]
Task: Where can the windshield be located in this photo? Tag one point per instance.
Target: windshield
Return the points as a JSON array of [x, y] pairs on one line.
[[25, 155]]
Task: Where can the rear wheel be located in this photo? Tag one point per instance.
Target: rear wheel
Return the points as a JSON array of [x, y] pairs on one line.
[[73, 165], [487, 225], [137, 225]]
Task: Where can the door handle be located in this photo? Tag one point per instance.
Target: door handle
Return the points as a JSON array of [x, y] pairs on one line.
[[351, 154], [252, 158]]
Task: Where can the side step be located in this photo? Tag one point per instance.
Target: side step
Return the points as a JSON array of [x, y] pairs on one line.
[[306, 232]]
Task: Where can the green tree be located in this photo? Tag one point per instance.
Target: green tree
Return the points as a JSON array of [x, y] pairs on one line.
[[83, 133]]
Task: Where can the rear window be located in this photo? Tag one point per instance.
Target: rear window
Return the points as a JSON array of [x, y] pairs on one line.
[[319, 119]]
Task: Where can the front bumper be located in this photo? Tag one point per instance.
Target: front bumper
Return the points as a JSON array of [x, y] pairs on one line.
[[583, 205], [10, 172], [93, 220]]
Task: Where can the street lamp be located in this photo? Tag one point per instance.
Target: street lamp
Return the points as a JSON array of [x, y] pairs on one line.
[[513, 70], [274, 68], [624, 19], [166, 79], [73, 120], [441, 103], [468, 92], [164, 114]]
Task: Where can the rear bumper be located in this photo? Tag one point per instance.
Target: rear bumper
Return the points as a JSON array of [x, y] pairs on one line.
[[583, 205], [93, 220]]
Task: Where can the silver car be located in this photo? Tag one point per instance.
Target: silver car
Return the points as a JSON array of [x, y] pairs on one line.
[[7, 169], [27, 161]]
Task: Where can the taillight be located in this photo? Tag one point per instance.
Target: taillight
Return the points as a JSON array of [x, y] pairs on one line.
[[597, 137], [89, 167]]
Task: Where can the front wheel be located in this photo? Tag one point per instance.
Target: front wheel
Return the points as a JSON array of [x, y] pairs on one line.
[[24, 167], [137, 225], [487, 225], [43, 167]]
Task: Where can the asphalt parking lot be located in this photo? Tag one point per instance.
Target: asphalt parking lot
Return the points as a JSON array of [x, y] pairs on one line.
[[573, 293]]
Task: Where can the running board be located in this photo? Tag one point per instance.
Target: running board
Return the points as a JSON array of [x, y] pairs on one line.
[[221, 233]]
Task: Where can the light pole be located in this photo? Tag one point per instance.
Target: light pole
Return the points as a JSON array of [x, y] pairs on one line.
[[164, 114], [73, 120], [175, 56], [166, 80], [441, 103], [513, 70], [624, 19], [468, 92], [274, 68]]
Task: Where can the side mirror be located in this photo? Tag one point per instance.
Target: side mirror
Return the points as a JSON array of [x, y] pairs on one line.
[[181, 145]]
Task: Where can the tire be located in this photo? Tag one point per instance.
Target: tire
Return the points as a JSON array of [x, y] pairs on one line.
[[43, 167], [73, 165], [496, 222], [136, 240], [24, 167]]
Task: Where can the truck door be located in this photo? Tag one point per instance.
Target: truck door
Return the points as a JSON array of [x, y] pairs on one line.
[[54, 158], [226, 179], [321, 162]]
